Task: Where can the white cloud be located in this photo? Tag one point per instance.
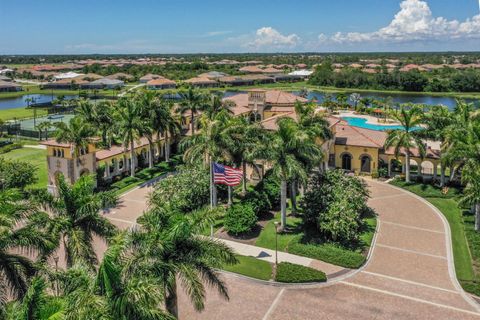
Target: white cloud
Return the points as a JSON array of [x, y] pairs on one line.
[[414, 22], [268, 37]]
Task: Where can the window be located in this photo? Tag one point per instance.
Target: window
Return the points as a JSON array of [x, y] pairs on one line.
[[347, 161]]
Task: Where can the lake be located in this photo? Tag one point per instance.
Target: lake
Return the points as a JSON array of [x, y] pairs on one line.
[[401, 98], [20, 102]]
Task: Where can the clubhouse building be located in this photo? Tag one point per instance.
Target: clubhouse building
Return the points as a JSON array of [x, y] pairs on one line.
[[352, 149]]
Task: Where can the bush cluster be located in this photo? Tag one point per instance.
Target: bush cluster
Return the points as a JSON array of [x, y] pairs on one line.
[[335, 204], [270, 186], [239, 219], [10, 147], [294, 273]]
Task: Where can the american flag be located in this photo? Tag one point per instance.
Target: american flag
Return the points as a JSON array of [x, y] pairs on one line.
[[226, 175]]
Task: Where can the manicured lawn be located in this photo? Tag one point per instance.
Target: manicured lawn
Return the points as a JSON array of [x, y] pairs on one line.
[[37, 157], [294, 273], [144, 175], [292, 242], [252, 267], [20, 113], [465, 241]]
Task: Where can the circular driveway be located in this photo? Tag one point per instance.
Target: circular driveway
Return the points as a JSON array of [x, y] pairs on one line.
[[410, 275]]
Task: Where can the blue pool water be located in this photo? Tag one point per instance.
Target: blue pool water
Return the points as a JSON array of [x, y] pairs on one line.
[[362, 123]]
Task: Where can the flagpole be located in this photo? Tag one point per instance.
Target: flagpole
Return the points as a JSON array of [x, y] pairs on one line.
[[211, 194]]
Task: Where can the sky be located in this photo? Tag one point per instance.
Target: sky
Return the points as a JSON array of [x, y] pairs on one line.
[[224, 26]]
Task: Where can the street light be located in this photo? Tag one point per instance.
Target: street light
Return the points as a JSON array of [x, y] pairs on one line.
[[277, 224]]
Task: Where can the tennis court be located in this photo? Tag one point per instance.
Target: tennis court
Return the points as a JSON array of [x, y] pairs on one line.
[[28, 124]]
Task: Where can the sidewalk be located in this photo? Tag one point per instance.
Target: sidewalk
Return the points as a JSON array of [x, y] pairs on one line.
[[269, 255]]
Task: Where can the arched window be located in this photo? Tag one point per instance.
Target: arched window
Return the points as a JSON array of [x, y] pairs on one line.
[[346, 161], [365, 163]]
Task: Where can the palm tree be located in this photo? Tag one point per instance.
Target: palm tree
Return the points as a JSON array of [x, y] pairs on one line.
[[408, 137], [100, 116], [169, 248], [355, 99], [43, 127], [192, 101], [130, 126], [36, 304], [77, 132], [212, 143], [438, 122], [289, 149], [247, 139], [74, 219], [16, 236]]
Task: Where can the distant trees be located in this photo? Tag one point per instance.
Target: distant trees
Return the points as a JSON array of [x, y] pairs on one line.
[[414, 80]]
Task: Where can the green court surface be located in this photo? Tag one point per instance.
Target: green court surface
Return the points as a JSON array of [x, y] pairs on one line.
[[28, 124]]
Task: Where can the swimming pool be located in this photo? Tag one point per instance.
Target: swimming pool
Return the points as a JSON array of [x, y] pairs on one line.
[[362, 123]]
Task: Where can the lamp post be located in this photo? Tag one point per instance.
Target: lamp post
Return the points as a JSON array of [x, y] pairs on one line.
[[277, 224]]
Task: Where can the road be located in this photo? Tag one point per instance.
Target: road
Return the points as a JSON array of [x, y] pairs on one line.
[[410, 273]]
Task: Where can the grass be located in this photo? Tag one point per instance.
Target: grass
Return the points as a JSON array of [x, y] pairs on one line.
[[144, 175], [465, 240], [292, 242], [37, 157], [251, 267], [20, 113], [294, 273]]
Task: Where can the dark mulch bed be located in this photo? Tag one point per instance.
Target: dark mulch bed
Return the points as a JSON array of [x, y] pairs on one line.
[[247, 238]]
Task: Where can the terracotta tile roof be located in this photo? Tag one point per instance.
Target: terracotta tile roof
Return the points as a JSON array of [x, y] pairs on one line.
[[271, 70], [119, 149], [282, 97], [151, 76], [271, 123], [360, 137], [251, 69], [414, 152], [200, 80], [159, 82]]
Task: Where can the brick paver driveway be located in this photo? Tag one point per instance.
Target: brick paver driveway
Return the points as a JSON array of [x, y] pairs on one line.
[[410, 274]]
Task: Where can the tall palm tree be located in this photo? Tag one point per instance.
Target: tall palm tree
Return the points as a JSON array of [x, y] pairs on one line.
[[169, 248], [131, 126], [100, 116], [16, 236], [247, 140], [74, 218], [289, 149], [355, 99], [192, 101], [77, 132], [408, 137], [438, 122], [213, 143]]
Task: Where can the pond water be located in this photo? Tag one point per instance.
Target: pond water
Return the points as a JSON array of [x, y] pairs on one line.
[[20, 102], [401, 98]]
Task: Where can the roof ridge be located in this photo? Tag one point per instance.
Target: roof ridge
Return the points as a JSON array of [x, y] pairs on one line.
[[364, 135]]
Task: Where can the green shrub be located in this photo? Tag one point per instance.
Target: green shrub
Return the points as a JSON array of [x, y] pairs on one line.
[[327, 252], [259, 201], [270, 185], [10, 147], [294, 273], [17, 174], [240, 218]]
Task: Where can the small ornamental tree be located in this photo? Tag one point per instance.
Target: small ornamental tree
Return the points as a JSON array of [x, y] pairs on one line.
[[240, 218], [335, 205], [185, 191], [259, 202]]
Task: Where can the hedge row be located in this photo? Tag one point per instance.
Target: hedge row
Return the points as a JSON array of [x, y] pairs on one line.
[[10, 147], [329, 253], [294, 273]]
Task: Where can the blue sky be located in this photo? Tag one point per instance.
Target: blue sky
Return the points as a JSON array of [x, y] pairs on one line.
[[188, 26]]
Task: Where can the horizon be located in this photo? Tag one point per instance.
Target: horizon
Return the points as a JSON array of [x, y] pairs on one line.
[[214, 27]]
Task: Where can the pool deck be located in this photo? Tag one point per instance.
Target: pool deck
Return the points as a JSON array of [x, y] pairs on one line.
[[370, 119]]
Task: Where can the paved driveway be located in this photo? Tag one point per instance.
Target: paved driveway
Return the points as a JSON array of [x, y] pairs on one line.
[[410, 273]]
